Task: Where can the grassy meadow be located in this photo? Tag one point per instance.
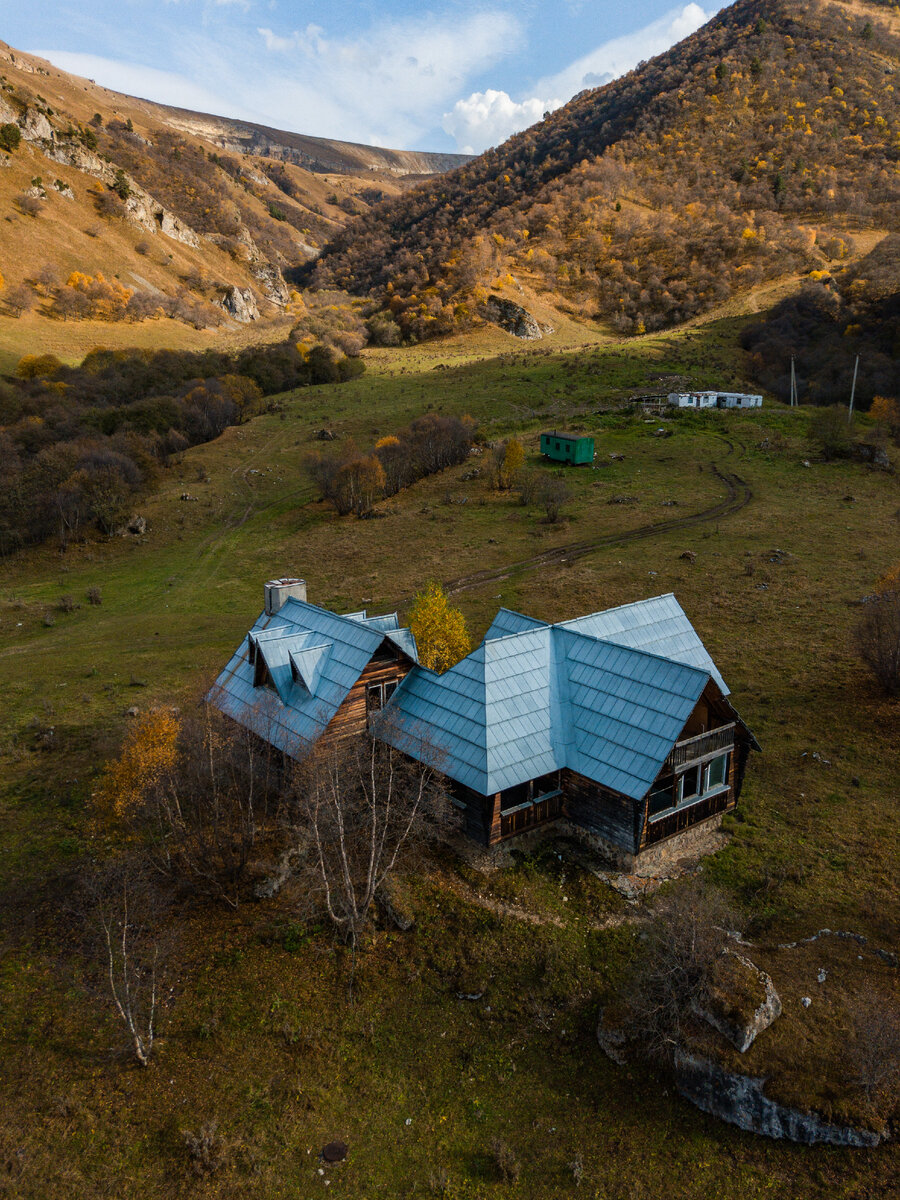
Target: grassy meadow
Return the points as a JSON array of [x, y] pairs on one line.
[[260, 1038]]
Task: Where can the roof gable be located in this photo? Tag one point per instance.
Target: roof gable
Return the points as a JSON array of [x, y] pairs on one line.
[[313, 658]]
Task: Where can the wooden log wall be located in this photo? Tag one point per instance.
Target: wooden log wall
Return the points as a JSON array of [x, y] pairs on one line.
[[600, 810], [352, 718]]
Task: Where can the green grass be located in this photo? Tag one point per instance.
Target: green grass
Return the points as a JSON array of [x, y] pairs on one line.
[[261, 1038]]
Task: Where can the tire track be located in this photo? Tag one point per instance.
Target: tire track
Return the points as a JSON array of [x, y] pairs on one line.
[[738, 495]]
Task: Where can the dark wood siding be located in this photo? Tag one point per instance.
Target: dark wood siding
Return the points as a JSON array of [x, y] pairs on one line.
[[599, 810], [387, 665]]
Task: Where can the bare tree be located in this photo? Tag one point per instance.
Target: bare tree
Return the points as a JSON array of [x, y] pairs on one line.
[[554, 494], [878, 639], [673, 978], [129, 918], [211, 816], [359, 806], [19, 300], [873, 1056]]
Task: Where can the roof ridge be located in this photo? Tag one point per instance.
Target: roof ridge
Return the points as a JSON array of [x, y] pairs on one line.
[[675, 662], [602, 612]]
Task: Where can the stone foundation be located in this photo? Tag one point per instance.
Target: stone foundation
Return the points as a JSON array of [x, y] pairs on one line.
[[702, 838]]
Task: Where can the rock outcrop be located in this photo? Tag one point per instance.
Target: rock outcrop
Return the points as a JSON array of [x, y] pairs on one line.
[[240, 303], [514, 319], [744, 1002], [740, 1100]]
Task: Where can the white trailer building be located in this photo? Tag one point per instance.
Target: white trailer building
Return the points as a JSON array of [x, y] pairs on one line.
[[714, 400]]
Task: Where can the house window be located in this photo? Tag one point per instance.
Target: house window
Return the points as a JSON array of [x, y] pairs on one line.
[[374, 697], [662, 797], [689, 785], [389, 689], [716, 773]]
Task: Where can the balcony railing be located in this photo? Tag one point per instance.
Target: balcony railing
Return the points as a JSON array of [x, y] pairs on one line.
[[531, 813], [692, 749], [687, 815]]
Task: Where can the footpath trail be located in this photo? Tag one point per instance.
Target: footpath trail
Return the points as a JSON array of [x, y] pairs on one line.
[[738, 494]]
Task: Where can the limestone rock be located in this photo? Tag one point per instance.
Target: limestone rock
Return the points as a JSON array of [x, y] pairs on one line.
[[240, 303], [514, 319], [744, 1001], [271, 281], [35, 126], [740, 1100]]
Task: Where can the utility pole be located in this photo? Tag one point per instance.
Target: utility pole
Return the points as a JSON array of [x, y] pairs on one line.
[[793, 384], [853, 390]]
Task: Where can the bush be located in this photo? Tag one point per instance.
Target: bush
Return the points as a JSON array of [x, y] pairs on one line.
[[674, 975], [831, 432], [28, 205], [878, 639], [10, 137]]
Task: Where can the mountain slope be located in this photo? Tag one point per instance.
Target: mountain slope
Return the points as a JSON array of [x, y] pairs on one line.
[[742, 153], [179, 208]]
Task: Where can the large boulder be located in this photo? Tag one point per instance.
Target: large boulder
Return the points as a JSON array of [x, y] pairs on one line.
[[743, 1001], [514, 319], [240, 303]]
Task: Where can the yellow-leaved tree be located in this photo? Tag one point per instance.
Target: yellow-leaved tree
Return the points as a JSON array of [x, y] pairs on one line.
[[439, 629], [513, 461], [886, 410], [150, 749]]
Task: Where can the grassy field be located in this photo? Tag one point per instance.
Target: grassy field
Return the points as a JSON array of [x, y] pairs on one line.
[[260, 1037]]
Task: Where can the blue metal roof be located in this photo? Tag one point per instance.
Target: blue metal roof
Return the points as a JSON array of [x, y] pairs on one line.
[[659, 625], [314, 657], [535, 697]]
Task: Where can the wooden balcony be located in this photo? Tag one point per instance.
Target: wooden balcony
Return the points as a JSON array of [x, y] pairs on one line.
[[704, 744], [689, 814], [531, 813]]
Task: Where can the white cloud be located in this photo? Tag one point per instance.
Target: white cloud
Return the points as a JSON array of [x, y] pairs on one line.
[[386, 86], [149, 83], [612, 59], [487, 118]]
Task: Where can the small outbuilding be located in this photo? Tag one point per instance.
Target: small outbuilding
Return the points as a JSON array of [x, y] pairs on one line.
[[714, 400], [567, 448]]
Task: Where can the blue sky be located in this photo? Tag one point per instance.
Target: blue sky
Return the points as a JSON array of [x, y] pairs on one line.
[[457, 75]]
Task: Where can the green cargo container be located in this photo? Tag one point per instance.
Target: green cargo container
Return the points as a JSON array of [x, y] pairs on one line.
[[567, 448]]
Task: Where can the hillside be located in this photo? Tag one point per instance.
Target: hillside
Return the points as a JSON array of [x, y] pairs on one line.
[[480, 1021], [178, 208], [753, 149]]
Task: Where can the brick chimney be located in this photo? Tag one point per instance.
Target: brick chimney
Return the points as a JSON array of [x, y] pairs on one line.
[[279, 590]]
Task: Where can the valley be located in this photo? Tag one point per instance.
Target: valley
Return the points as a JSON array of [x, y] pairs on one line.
[[207, 324]]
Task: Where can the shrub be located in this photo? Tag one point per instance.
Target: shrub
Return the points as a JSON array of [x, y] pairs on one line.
[[29, 206], [831, 433], [674, 974], [877, 639], [10, 137], [554, 494]]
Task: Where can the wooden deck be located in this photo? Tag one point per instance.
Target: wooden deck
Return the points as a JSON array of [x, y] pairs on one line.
[[531, 813]]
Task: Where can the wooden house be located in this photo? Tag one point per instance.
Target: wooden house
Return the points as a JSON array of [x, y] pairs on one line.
[[567, 448], [617, 723]]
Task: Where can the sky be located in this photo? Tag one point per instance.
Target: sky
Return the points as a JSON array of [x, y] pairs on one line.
[[454, 76]]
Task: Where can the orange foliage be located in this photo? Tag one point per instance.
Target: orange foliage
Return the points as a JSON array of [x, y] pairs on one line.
[[108, 297], [150, 750]]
